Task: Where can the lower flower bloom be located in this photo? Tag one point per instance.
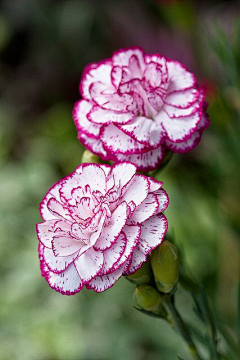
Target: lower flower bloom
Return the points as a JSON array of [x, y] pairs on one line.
[[100, 223]]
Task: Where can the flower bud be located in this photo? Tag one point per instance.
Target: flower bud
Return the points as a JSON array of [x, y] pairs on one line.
[[165, 266], [88, 157], [147, 298], [141, 276]]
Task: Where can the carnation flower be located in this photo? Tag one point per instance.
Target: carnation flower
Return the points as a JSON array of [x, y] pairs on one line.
[[100, 222], [135, 106]]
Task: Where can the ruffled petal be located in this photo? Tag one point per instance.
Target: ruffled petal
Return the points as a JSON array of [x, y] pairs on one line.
[[94, 146], [137, 259], [58, 210], [185, 146], [95, 72], [53, 192], [98, 115], [132, 57], [114, 140], [67, 283], [111, 232], [152, 233], [80, 111], [183, 99], [57, 264], [86, 175], [45, 232], [154, 184], [179, 129], [137, 190], [89, 264], [163, 200], [148, 208], [148, 161], [65, 245], [145, 131], [122, 173], [102, 283], [113, 254], [132, 233], [180, 78]]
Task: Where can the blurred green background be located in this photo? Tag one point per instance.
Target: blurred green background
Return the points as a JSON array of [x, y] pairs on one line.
[[44, 45]]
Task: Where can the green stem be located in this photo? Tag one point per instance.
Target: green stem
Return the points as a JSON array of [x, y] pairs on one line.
[[177, 323]]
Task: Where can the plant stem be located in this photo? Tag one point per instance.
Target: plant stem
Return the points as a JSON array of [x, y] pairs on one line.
[[177, 323]]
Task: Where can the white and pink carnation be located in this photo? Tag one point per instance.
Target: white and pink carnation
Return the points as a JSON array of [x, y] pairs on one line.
[[135, 106], [100, 223]]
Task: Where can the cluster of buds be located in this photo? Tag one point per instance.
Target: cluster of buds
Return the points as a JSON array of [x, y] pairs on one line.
[[157, 279]]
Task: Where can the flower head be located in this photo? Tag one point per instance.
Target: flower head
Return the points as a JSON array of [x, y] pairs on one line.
[[136, 105], [100, 222]]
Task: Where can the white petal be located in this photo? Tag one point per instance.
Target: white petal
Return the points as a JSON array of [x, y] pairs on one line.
[[178, 129], [123, 173], [99, 284], [102, 116], [122, 58], [45, 232], [53, 192], [183, 99], [57, 263], [94, 176], [163, 200], [181, 111], [147, 161], [204, 123], [152, 233], [81, 109], [67, 283], [65, 245], [116, 75], [93, 145], [144, 130], [132, 233], [58, 210], [154, 184], [111, 232], [111, 101], [89, 264], [93, 73], [180, 78], [185, 146], [85, 175], [160, 60], [144, 211], [96, 234], [138, 258], [106, 168], [113, 254], [115, 141], [137, 190]]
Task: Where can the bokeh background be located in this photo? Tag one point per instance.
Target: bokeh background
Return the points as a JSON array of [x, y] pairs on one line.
[[44, 46]]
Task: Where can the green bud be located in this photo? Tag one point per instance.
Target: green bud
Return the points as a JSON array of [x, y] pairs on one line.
[[147, 298], [165, 266], [142, 276], [89, 157]]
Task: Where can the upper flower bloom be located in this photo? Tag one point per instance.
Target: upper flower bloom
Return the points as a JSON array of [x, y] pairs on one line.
[[136, 105], [100, 222]]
